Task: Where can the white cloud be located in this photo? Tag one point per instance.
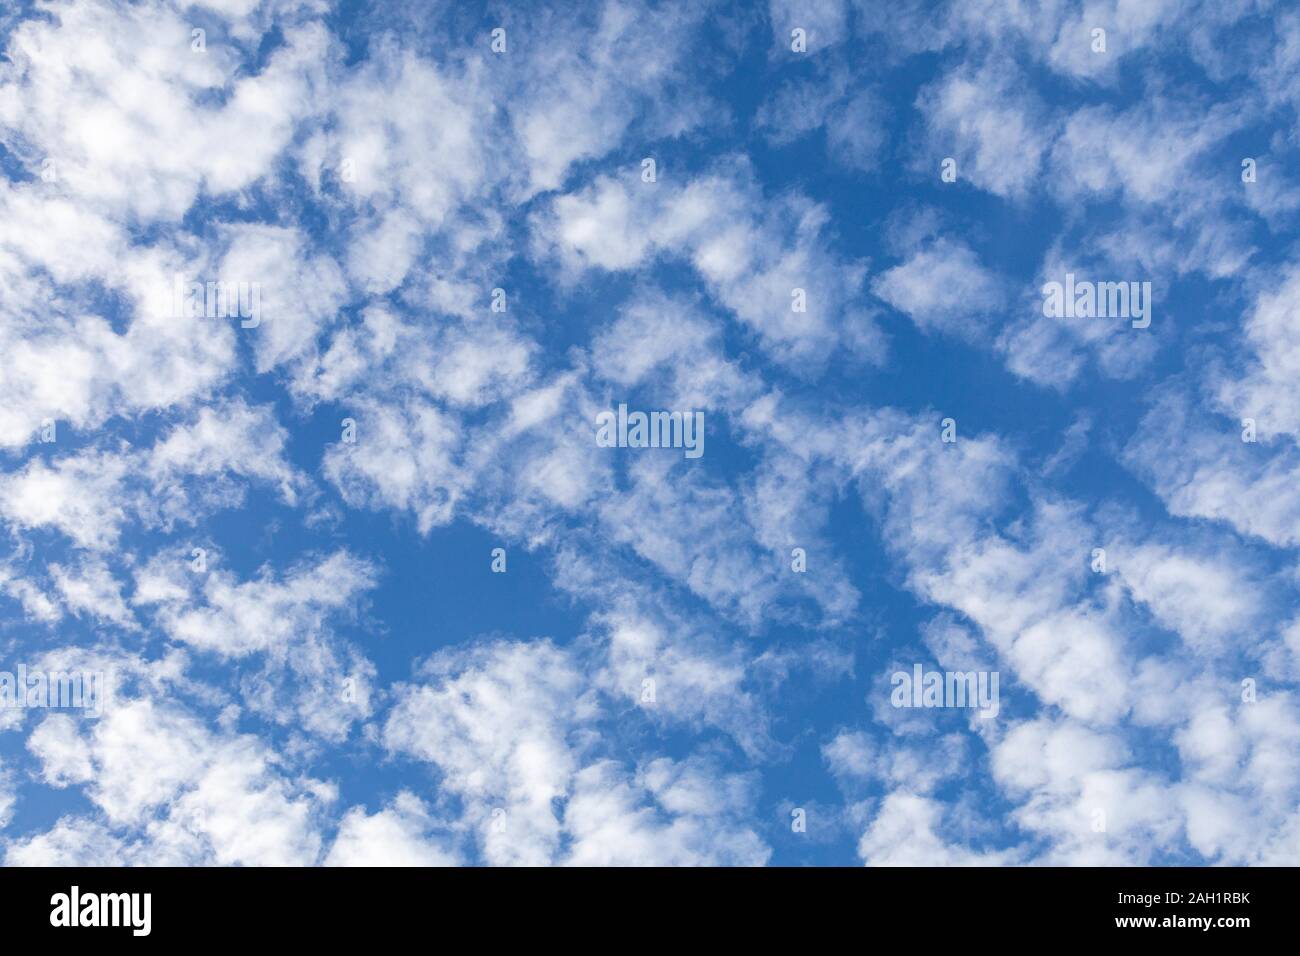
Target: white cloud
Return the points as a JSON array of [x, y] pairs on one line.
[[905, 833], [752, 252], [508, 726], [115, 96], [304, 674], [77, 495], [997, 132], [92, 588], [942, 287], [1200, 467], [91, 494], [394, 836], [172, 791], [496, 720], [672, 814], [1205, 598], [1269, 391]]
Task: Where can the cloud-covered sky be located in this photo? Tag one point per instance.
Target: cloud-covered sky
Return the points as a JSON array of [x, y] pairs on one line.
[[309, 317]]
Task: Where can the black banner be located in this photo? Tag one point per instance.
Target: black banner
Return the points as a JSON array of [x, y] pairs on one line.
[[1220, 906]]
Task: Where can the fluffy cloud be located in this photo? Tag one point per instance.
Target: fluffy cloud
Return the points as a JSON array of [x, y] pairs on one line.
[[171, 791], [752, 257], [197, 467]]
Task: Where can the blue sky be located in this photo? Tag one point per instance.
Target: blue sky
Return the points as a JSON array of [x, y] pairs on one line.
[[1108, 524]]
